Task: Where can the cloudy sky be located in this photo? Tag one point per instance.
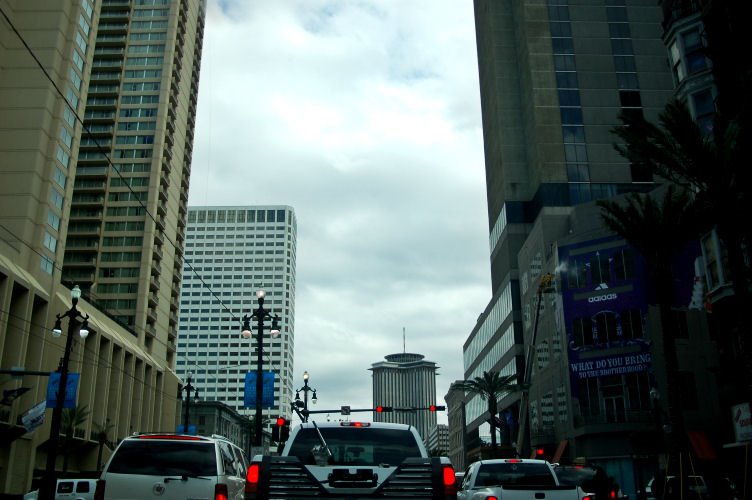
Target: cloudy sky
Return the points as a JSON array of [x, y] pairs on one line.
[[364, 116]]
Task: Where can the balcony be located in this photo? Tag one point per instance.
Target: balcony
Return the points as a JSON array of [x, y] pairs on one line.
[[153, 284], [151, 316], [92, 172], [158, 255], [153, 300], [87, 200], [151, 330]]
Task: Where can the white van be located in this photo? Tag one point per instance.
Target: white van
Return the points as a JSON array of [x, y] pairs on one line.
[[69, 489], [174, 467]]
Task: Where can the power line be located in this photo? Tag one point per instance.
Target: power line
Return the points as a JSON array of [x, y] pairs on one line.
[[110, 163]]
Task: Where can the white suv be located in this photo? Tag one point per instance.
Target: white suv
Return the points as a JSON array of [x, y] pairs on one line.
[[173, 466]]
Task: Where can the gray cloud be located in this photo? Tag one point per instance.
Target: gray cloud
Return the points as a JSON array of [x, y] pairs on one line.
[[364, 116]]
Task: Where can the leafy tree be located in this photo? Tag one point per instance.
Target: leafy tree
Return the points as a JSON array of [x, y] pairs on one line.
[[71, 419], [490, 386], [101, 433], [713, 165], [658, 231]]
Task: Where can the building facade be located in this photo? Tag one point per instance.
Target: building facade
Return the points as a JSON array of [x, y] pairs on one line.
[[456, 428], [438, 440], [406, 380], [554, 78], [87, 200], [230, 252]]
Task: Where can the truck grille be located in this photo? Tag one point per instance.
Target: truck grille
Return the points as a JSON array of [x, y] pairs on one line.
[[288, 479]]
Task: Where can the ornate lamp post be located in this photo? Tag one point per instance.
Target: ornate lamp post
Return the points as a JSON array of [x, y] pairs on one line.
[[73, 315], [306, 389], [188, 388], [260, 314]]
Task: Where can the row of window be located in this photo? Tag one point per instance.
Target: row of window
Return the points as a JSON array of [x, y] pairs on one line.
[[212, 216]]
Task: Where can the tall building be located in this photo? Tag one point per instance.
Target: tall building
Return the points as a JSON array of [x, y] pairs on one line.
[[406, 380], [109, 215], [438, 439], [130, 195], [554, 77], [230, 253]]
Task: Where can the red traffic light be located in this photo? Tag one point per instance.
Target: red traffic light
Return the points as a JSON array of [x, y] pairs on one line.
[[281, 421], [432, 408], [540, 451], [383, 409], [436, 408], [379, 409]]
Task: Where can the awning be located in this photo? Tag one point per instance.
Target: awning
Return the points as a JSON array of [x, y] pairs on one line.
[[701, 445], [559, 450]]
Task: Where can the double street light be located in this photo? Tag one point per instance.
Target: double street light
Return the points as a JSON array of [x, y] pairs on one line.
[[260, 315], [73, 315], [306, 389]]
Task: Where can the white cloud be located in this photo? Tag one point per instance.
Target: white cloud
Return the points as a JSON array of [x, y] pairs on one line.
[[365, 117]]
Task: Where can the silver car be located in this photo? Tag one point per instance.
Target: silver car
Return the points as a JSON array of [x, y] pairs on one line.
[[172, 467]]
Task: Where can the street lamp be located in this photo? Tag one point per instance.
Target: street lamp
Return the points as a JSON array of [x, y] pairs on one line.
[[188, 388], [73, 315], [260, 314], [306, 389]]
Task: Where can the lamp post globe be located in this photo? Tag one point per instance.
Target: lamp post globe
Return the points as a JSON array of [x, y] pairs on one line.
[[47, 490], [260, 314]]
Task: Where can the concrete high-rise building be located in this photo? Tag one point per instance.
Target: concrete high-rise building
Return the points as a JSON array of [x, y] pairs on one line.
[[438, 439], [130, 195], [554, 78], [406, 380], [108, 217], [230, 253]]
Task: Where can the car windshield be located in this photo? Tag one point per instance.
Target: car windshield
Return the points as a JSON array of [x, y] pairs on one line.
[[357, 445], [514, 474], [574, 476], [164, 458]]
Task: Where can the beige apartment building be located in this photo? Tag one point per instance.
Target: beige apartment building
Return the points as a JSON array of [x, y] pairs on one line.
[[97, 112]]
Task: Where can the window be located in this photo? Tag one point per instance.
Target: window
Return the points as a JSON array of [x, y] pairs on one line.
[[606, 327], [50, 241], [631, 324], [703, 107], [582, 331], [694, 52], [56, 198]]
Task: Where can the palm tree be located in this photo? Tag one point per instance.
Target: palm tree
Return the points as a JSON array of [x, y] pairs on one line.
[[101, 433], [714, 166], [490, 386], [71, 419], [658, 231]]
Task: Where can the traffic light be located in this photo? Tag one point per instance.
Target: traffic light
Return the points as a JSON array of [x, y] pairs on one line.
[[383, 409], [539, 452], [284, 431], [279, 434], [436, 408]]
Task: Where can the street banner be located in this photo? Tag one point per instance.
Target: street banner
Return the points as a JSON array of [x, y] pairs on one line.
[[249, 399], [70, 390], [34, 417]]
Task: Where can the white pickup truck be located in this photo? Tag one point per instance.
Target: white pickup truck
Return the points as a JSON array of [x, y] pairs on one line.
[[515, 479]]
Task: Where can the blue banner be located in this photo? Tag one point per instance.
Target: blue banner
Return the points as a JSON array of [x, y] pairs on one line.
[[70, 390], [267, 401]]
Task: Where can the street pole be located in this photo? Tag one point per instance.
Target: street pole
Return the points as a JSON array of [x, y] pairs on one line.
[[188, 388], [260, 314], [543, 286], [306, 388], [49, 484]]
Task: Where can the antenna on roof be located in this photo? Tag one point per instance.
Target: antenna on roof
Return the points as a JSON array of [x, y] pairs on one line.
[[404, 350]]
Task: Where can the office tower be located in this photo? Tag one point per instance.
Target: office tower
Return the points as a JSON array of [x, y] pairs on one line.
[[230, 253], [572, 314], [438, 439], [406, 380], [554, 77], [126, 378]]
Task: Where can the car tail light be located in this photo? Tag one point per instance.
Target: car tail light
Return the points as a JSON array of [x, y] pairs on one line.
[[450, 481], [355, 424], [252, 478], [220, 492], [99, 491], [513, 461], [492, 498], [588, 497], [612, 494]]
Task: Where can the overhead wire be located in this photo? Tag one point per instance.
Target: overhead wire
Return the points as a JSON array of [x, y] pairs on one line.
[[109, 161]]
